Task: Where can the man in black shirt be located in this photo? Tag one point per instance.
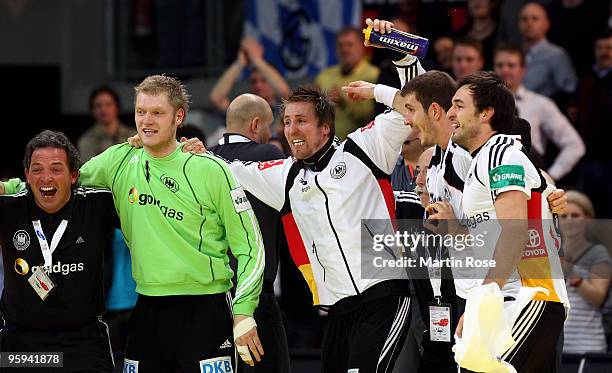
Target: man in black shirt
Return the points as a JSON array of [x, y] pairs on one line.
[[249, 118], [53, 237]]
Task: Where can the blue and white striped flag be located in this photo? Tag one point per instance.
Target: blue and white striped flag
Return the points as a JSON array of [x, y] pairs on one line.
[[299, 35]]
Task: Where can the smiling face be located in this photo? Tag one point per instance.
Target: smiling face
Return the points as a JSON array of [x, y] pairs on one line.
[[156, 122], [464, 118], [303, 131], [416, 116], [50, 178]]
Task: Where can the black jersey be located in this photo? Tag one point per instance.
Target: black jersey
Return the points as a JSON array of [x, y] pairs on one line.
[[77, 261], [238, 147]]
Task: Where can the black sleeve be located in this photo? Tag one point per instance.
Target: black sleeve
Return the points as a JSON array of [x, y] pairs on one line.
[[269, 152], [408, 206]]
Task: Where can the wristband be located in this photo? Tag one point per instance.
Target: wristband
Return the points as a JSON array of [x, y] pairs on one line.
[[239, 330], [385, 94]]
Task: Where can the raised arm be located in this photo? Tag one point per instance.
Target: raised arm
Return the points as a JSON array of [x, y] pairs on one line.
[[255, 54], [219, 95]]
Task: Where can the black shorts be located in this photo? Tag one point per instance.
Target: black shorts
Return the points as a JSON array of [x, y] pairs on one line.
[[367, 339], [536, 332], [273, 338], [186, 333], [85, 349]]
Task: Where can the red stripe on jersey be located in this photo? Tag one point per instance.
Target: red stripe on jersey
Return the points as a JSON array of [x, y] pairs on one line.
[[294, 239], [534, 206], [267, 164], [536, 246], [387, 192], [367, 126]]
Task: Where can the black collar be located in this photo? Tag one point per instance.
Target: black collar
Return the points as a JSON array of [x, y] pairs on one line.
[[319, 160], [231, 138]]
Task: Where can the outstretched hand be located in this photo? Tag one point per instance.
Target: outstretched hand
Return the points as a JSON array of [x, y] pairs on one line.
[[359, 90]]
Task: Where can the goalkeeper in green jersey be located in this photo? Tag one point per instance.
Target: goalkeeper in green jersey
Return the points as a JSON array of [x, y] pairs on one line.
[[180, 213]]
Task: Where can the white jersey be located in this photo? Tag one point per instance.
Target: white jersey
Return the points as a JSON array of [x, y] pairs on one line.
[[445, 180], [323, 206], [500, 166]]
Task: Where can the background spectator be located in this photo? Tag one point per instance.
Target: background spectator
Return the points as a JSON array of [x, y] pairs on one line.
[[120, 288], [574, 24], [482, 26], [264, 81], [189, 131], [443, 49], [594, 102], [588, 268], [509, 12], [468, 57], [104, 105], [353, 66], [549, 68], [547, 122], [403, 177]]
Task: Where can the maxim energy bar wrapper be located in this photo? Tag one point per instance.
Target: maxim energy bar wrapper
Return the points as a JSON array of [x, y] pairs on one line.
[[400, 41]]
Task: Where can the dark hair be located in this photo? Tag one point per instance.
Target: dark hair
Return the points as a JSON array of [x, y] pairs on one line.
[[52, 139], [522, 128], [325, 111], [470, 42], [604, 34], [104, 89], [189, 131], [513, 49], [432, 86], [489, 90]]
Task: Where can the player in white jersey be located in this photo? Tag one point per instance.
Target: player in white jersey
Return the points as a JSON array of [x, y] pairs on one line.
[[503, 184]]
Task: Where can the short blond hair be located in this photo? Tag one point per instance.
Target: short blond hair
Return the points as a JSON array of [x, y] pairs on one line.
[[172, 87], [581, 199]]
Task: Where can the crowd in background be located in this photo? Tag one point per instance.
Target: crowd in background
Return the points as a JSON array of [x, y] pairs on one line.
[[555, 56]]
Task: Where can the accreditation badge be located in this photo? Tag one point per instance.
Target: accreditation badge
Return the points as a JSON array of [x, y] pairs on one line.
[[440, 322], [41, 282]]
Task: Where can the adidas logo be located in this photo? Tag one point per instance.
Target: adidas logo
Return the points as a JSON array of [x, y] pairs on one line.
[[226, 344], [134, 159], [80, 240]]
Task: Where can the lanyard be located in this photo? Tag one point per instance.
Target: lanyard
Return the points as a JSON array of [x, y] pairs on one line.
[[42, 240], [435, 274]]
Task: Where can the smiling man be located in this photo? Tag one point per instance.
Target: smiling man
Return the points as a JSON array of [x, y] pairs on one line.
[[324, 193], [180, 213], [53, 237], [328, 193], [503, 184]]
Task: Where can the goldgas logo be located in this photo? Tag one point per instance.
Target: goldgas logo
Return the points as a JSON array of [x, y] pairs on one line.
[[21, 266], [147, 199], [133, 195], [170, 183]]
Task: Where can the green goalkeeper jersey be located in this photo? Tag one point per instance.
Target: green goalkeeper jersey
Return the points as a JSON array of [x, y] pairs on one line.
[[179, 215]]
